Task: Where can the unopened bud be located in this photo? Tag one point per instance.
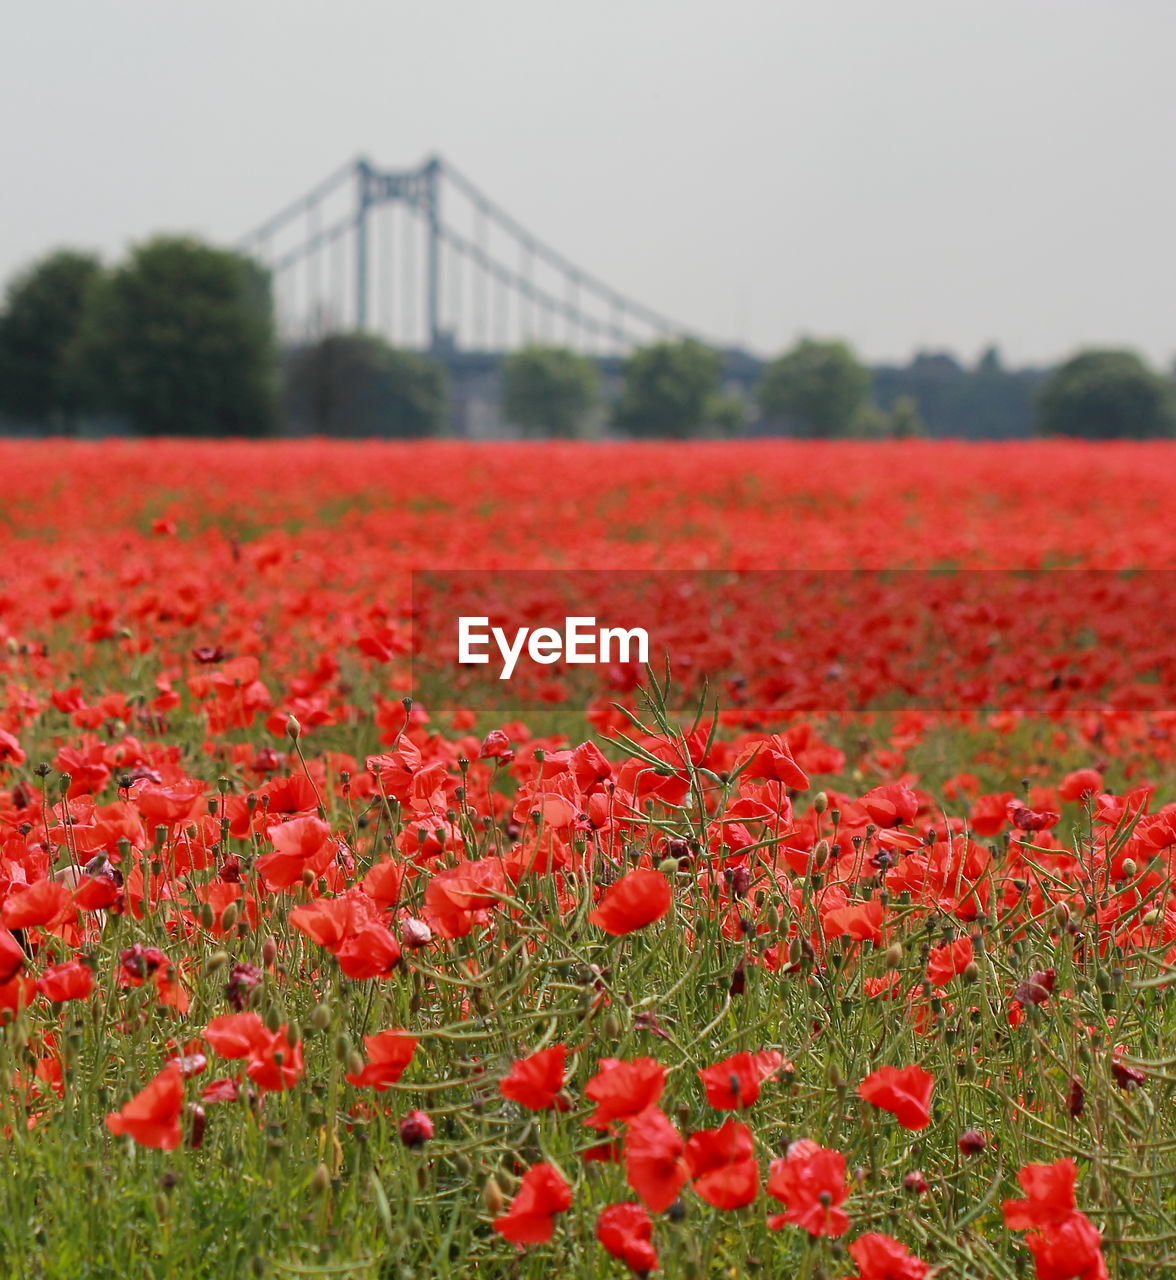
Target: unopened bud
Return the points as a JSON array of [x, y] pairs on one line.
[[492, 1196], [820, 802], [894, 955], [320, 1019], [321, 1180], [269, 950], [293, 729]]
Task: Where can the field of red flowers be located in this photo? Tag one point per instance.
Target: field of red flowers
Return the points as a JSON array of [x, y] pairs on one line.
[[851, 960]]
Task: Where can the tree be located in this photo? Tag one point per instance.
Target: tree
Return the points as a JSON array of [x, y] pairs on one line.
[[180, 340], [355, 384], [1106, 395], [904, 422], [549, 391], [668, 389], [726, 413], [818, 386], [41, 318]]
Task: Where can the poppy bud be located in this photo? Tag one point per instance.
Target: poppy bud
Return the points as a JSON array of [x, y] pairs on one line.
[[229, 916], [216, 961], [492, 1196], [820, 802], [320, 1019], [355, 1063], [820, 854], [971, 971], [293, 729], [1061, 913], [269, 950], [894, 955], [415, 1129], [972, 1142], [1129, 868], [321, 1180], [196, 1115], [1075, 1098], [915, 1182]]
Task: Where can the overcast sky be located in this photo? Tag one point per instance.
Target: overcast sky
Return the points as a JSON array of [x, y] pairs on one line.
[[904, 173]]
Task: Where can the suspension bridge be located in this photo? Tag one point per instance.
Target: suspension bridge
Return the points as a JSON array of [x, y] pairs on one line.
[[424, 259]]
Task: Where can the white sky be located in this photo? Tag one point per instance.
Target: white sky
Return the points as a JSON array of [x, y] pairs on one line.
[[904, 173]]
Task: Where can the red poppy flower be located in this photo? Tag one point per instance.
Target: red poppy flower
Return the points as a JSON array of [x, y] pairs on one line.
[[370, 952], [654, 1163], [275, 1064], [735, 1082], [903, 1091], [638, 898], [622, 1089], [69, 981], [881, 1257], [1080, 785], [388, 1053], [810, 1182], [46, 903], [12, 956], [772, 760], [949, 961], [1068, 1250], [626, 1231], [1065, 1243], [535, 1082], [894, 805], [235, 1035], [152, 1117], [530, 1218], [300, 844], [861, 921], [1050, 1192], [723, 1166]]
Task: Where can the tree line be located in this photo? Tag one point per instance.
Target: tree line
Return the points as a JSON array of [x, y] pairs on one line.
[[180, 339]]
